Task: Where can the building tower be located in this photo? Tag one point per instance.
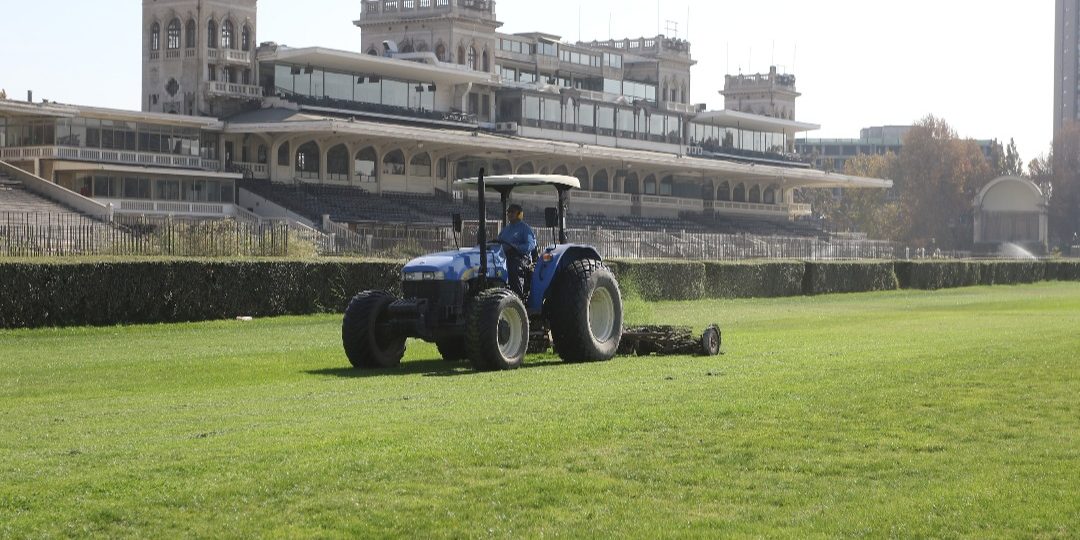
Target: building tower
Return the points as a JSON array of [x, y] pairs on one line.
[[762, 94], [199, 56], [1066, 58]]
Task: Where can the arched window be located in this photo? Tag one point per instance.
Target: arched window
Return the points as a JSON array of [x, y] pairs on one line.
[[631, 184], [261, 154], [440, 52], [561, 169], [740, 193], [600, 181], [211, 34], [723, 192], [373, 51], [769, 196], [155, 37], [364, 164], [394, 163], [582, 174], [283, 154], [189, 31], [407, 47], [227, 41], [569, 116], [461, 55], [472, 59], [667, 185], [245, 39], [487, 61], [501, 166], [307, 160], [172, 41], [422, 46], [526, 168], [755, 194], [337, 163], [650, 185], [420, 166]]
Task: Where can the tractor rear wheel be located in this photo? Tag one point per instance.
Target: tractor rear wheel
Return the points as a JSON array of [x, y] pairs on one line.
[[367, 342], [497, 331], [452, 349], [585, 312]]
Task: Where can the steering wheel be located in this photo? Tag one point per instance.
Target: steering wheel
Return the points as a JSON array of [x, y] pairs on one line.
[[507, 247]]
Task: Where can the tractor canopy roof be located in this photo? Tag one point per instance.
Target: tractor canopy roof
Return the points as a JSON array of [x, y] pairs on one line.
[[523, 182]]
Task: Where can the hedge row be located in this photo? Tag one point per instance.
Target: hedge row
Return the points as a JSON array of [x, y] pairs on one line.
[[104, 293], [58, 294]]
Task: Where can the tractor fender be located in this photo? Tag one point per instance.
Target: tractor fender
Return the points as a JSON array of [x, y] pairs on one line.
[[552, 260]]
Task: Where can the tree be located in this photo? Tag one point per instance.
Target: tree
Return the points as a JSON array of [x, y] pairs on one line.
[[938, 175], [1013, 165], [876, 212]]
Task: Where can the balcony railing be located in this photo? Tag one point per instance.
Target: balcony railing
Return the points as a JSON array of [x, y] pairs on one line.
[[234, 89], [229, 55], [109, 156]]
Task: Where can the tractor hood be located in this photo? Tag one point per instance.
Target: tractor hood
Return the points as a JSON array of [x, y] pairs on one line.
[[460, 265]]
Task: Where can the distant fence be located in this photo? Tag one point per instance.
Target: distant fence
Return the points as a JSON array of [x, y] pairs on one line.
[[36, 235], [32, 235], [404, 240]]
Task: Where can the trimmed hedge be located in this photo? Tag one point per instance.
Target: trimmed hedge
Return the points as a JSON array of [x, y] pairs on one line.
[[36, 294], [661, 280], [105, 293], [753, 279], [848, 277], [932, 275]]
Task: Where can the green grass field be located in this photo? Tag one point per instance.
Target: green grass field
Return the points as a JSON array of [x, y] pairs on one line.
[[950, 413]]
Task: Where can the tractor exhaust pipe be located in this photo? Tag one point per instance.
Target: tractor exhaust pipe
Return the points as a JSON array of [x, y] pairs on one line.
[[481, 233]]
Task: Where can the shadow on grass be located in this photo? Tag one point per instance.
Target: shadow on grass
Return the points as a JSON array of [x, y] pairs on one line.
[[427, 368]]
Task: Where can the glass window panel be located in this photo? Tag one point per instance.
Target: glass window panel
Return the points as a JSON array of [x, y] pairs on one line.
[[368, 92], [339, 86], [587, 115], [552, 110], [318, 84], [395, 93], [605, 117], [532, 107], [283, 78]]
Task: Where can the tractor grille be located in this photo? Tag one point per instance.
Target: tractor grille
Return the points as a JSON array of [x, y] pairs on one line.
[[446, 299]]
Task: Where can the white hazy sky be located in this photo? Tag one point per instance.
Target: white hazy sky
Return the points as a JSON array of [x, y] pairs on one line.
[[986, 66]]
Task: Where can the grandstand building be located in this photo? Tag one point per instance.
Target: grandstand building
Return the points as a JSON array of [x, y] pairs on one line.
[[435, 92]]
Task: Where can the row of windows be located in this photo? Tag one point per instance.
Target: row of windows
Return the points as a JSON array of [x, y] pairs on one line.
[[365, 163], [716, 138], [584, 59], [227, 38], [107, 135], [594, 118], [353, 87], [133, 187]]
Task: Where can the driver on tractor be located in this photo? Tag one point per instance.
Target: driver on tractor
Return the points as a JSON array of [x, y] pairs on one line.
[[520, 242]]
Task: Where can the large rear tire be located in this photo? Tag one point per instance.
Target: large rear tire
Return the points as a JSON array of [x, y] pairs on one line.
[[367, 343], [585, 312], [497, 331]]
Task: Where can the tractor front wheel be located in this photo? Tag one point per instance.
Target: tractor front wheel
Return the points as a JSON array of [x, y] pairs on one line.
[[497, 331], [585, 312], [368, 344]]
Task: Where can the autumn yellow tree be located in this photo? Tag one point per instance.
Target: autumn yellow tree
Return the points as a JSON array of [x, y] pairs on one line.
[[937, 177], [875, 212]]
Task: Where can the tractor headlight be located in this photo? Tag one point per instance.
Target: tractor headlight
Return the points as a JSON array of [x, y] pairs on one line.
[[424, 276]]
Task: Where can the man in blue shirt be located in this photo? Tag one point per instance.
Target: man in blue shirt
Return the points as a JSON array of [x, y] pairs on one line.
[[520, 241]]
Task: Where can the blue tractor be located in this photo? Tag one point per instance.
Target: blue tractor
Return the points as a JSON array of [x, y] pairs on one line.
[[461, 301]]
